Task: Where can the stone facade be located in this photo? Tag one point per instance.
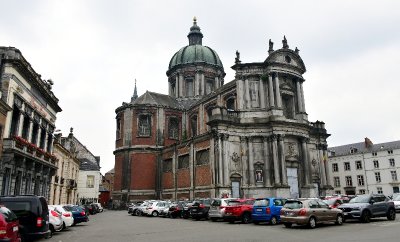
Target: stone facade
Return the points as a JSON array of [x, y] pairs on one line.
[[64, 184], [247, 138], [27, 163], [364, 167]]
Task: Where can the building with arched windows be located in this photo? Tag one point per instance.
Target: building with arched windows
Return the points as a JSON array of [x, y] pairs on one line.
[[249, 137]]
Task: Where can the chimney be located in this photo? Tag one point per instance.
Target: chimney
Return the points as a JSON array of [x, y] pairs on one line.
[[368, 143]]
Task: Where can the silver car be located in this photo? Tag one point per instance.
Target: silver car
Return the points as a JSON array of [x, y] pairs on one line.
[[217, 209], [154, 208], [55, 221]]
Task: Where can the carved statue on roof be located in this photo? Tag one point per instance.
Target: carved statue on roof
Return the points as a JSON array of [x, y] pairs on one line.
[[284, 42], [271, 46], [237, 59]]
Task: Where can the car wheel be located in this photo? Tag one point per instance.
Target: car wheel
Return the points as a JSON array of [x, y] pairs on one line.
[[312, 223], [339, 220], [273, 221], [64, 227], [154, 214], [288, 225], [366, 217], [391, 214], [246, 218]]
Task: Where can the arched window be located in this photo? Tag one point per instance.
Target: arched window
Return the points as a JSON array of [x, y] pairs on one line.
[[230, 104]]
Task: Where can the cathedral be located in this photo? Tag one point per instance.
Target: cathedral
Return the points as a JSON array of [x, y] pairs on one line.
[[249, 137]]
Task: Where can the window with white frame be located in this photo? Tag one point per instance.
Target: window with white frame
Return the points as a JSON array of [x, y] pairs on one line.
[[347, 166], [379, 189], [376, 164], [360, 179], [377, 176], [392, 162], [335, 167], [336, 181], [90, 181], [349, 181], [361, 191], [144, 125], [358, 165], [394, 175]]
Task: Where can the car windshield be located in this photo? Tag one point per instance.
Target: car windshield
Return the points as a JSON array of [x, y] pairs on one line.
[[293, 204], [234, 203], [261, 202], [360, 199], [330, 201], [396, 198], [216, 202]]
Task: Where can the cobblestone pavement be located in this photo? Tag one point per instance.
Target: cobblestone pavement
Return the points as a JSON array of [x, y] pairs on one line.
[[116, 226]]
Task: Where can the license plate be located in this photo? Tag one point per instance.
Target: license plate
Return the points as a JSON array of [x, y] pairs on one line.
[[345, 214], [259, 209], [289, 213], [194, 210], [228, 213], [15, 228]]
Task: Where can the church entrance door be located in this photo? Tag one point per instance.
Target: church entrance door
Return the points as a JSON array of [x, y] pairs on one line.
[[235, 189], [293, 182]]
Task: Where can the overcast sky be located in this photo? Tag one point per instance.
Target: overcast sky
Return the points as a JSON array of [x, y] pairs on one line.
[[93, 51]]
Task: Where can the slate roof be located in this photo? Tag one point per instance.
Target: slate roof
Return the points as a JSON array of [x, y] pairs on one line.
[[153, 98], [87, 165], [362, 148]]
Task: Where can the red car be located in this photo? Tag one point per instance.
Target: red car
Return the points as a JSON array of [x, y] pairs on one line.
[[9, 225], [239, 210], [335, 202]]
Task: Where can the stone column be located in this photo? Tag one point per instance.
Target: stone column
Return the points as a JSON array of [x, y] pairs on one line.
[[177, 86], [39, 136], [306, 162], [325, 157], [243, 144], [202, 88], [322, 163], [240, 93], [181, 86], [262, 98], [220, 166], [299, 102], [271, 91], [216, 83], [302, 98], [30, 131], [247, 93], [278, 92], [267, 163], [169, 88], [46, 140], [275, 159], [196, 84], [251, 161], [282, 159], [226, 160], [20, 124]]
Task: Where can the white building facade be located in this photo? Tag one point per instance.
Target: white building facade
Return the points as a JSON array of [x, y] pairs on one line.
[[364, 167]]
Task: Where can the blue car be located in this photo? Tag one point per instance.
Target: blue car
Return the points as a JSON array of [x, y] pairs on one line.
[[267, 210], [78, 213]]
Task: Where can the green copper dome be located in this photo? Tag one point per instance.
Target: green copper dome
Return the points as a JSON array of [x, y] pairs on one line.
[[195, 52]]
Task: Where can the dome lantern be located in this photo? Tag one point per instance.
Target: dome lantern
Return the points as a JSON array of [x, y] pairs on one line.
[[195, 36]]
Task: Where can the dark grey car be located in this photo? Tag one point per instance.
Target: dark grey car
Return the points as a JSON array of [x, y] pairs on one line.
[[365, 207]]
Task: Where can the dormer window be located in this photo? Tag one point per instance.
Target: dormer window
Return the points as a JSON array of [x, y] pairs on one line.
[[353, 150]]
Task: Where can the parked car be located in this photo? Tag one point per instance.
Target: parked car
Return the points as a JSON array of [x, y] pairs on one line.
[[267, 210], [154, 208], [175, 210], [239, 210], [335, 202], [32, 213], [9, 225], [309, 212], [133, 208], [165, 211], [55, 221], [217, 209], [99, 207], [396, 201], [186, 210], [199, 208], [67, 217], [78, 213], [365, 207]]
